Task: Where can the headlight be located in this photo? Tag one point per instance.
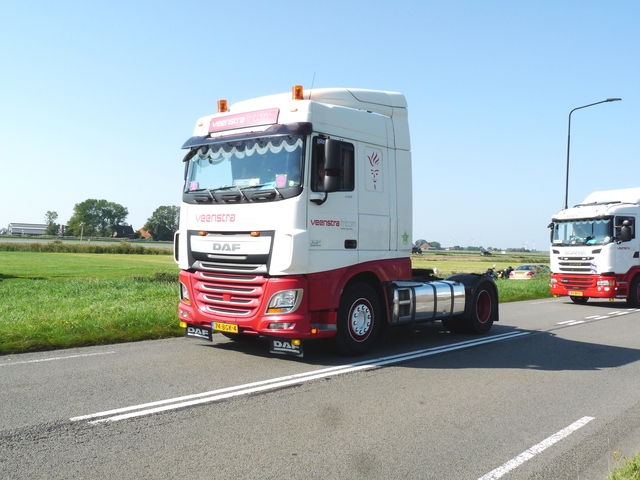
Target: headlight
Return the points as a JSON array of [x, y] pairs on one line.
[[184, 294], [286, 301]]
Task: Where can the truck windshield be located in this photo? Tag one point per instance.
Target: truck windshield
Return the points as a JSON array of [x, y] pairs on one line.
[[268, 163], [583, 232]]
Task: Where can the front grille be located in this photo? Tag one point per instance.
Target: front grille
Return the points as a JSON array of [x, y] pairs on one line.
[[228, 294], [578, 282], [575, 264]]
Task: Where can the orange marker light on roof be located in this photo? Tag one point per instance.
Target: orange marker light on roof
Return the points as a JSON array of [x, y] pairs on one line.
[[222, 106], [297, 92]]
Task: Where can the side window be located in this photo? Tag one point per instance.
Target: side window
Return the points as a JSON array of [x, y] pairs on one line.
[[347, 166], [626, 223]]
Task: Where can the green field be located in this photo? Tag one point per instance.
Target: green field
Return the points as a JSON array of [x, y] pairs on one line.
[[61, 300]]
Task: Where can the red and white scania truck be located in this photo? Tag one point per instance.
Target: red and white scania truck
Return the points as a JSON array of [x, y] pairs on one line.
[[296, 220], [594, 251]]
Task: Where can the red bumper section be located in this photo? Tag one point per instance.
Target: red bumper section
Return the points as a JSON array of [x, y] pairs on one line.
[[239, 303], [588, 286]]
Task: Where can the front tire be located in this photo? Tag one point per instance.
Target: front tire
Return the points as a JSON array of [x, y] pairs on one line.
[[633, 298], [359, 319]]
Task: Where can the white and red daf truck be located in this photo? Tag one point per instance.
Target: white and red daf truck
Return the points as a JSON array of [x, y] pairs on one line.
[[296, 223], [594, 249]]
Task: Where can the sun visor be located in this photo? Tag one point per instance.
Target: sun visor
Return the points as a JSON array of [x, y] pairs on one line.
[[299, 128]]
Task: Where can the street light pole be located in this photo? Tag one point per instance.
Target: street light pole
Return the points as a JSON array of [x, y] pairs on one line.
[[566, 194], [81, 230]]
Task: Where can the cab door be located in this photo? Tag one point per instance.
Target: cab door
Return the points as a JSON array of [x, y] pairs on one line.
[[332, 219]]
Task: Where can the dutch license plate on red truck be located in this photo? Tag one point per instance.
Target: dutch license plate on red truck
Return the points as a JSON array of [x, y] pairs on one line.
[[225, 327]]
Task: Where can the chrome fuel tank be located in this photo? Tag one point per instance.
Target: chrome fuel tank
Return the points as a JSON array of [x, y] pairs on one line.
[[414, 302]]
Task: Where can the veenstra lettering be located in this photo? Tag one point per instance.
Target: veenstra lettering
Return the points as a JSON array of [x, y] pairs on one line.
[[216, 218]]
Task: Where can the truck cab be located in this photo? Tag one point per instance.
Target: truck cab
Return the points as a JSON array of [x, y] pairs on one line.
[[594, 249], [296, 222]]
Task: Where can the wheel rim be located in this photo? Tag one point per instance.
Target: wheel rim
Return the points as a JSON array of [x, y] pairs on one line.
[[360, 320], [483, 306]]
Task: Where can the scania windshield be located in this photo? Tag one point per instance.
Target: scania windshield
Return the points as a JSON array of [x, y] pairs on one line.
[[582, 232]]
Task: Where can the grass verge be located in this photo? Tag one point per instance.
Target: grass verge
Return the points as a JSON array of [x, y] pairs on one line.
[[629, 470], [59, 300]]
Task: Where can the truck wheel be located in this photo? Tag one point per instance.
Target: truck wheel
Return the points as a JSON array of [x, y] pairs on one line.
[[579, 300], [484, 309], [359, 319], [633, 298]]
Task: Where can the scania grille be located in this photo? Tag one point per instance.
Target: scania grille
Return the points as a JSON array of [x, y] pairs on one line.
[[575, 264], [228, 294], [577, 282]]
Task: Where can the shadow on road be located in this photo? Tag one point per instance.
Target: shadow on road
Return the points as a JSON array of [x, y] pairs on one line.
[[533, 351]]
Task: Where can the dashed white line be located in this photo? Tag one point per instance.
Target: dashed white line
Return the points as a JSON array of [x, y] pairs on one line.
[[52, 359], [275, 383], [535, 450], [617, 313]]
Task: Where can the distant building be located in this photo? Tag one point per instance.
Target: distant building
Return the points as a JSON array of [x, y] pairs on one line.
[[27, 228], [123, 231]]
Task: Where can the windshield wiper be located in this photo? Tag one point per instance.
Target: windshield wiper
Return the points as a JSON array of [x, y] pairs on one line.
[[229, 187], [204, 190], [262, 185]]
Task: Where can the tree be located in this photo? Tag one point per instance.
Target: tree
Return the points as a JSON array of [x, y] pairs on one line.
[[96, 218], [435, 245], [163, 223], [50, 219]]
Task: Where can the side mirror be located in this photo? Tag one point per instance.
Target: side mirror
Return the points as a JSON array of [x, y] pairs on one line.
[[626, 231], [332, 165]]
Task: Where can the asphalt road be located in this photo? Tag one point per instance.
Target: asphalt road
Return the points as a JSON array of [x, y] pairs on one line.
[[551, 393]]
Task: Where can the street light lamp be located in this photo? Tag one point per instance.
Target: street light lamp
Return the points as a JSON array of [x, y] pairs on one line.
[[566, 194]]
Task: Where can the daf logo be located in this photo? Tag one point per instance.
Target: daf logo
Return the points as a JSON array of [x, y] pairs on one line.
[[197, 332], [285, 347], [226, 247]]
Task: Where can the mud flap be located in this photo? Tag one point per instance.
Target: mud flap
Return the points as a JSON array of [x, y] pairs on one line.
[[286, 346], [199, 332]]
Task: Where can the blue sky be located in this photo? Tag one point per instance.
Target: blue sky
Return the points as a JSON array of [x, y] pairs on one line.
[[96, 98]]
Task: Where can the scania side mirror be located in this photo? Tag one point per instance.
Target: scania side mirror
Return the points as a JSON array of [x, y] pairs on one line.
[[626, 231]]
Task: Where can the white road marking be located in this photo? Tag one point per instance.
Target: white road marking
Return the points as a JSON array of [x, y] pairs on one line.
[[52, 359], [536, 449], [275, 383], [617, 313]]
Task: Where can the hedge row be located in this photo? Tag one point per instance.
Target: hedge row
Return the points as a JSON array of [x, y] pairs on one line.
[[57, 246]]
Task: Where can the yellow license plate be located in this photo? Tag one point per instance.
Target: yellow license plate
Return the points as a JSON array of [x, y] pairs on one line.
[[225, 327], [576, 294]]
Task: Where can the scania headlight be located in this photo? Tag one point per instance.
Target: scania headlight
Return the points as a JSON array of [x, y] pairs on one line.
[[286, 301]]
